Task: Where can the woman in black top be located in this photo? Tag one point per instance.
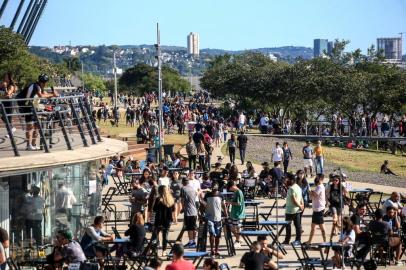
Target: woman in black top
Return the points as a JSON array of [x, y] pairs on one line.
[[176, 186], [163, 208], [136, 233]]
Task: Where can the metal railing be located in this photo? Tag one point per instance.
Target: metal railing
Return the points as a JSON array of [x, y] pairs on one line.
[[56, 119]]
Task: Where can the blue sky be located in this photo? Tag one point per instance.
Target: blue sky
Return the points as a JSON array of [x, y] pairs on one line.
[[222, 24]]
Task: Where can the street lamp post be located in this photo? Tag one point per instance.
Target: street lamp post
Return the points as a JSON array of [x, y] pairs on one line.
[[115, 81], [160, 115]]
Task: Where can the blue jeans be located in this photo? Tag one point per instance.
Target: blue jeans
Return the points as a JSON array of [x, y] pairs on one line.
[[319, 164], [242, 154]]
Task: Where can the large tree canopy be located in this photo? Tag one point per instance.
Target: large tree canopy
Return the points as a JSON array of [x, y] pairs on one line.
[[15, 58], [144, 78], [343, 83]]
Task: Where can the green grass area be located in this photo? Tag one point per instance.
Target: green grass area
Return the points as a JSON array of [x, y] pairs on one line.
[[108, 130], [359, 160]]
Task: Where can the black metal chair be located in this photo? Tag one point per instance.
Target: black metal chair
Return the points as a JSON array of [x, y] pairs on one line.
[[380, 248], [12, 265], [303, 257]]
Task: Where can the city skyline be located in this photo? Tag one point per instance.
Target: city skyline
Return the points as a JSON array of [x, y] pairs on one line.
[[231, 25]]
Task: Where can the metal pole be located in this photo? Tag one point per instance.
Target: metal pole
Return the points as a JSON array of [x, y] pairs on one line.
[[160, 119], [83, 79], [115, 81], [3, 7], [34, 26], [30, 19], [23, 20], [17, 14]]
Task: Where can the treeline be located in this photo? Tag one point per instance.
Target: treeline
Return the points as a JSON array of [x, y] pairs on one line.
[[15, 58], [344, 82]]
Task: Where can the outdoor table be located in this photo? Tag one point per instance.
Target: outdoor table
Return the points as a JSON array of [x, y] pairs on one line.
[[254, 204], [38, 263], [328, 245], [271, 225], [246, 235], [267, 215], [353, 196], [196, 256]]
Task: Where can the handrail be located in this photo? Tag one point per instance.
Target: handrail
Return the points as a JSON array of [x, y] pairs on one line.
[[70, 112]]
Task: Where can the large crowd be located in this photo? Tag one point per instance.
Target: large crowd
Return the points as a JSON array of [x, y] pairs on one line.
[[211, 192]]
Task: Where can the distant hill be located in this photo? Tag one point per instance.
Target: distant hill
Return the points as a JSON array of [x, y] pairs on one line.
[[99, 59]]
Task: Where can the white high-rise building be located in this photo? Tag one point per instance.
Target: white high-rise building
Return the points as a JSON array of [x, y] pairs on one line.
[[193, 47]]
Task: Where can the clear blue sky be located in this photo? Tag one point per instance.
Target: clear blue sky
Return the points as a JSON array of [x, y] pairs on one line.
[[222, 24]]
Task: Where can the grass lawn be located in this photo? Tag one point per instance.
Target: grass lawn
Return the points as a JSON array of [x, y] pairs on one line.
[[365, 160], [358, 161], [107, 129]]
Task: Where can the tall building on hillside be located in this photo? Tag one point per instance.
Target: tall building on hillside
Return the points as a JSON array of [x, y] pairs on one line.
[[330, 46], [193, 46], [391, 47], [320, 47]]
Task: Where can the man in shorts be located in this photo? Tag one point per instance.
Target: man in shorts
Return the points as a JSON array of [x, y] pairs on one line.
[[214, 205], [188, 198], [33, 90], [237, 211], [308, 158]]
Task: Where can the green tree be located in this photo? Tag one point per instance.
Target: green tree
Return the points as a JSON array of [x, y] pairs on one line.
[[94, 82], [143, 78]]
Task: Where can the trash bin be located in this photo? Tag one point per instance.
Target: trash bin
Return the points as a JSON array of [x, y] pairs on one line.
[[168, 151]]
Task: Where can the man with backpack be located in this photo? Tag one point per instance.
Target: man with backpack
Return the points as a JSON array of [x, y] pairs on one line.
[[26, 106]]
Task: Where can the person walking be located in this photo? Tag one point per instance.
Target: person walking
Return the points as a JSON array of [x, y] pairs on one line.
[[176, 187], [237, 213], [287, 155], [293, 209], [201, 153], [163, 208], [242, 145], [191, 151], [319, 158], [188, 198], [231, 145], [307, 152], [214, 206], [318, 196], [336, 192], [277, 153]]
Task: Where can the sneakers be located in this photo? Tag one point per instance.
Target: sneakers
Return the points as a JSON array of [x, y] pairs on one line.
[[237, 244], [13, 130], [190, 244], [31, 148], [296, 243]]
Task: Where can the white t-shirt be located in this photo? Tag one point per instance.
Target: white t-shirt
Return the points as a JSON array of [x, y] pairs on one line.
[[164, 181], [319, 201], [277, 154], [195, 184], [241, 119]]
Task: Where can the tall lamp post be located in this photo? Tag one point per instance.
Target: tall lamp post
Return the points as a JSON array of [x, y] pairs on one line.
[[115, 81], [160, 114]]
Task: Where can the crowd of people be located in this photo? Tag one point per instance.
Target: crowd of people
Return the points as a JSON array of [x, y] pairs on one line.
[[160, 194]]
